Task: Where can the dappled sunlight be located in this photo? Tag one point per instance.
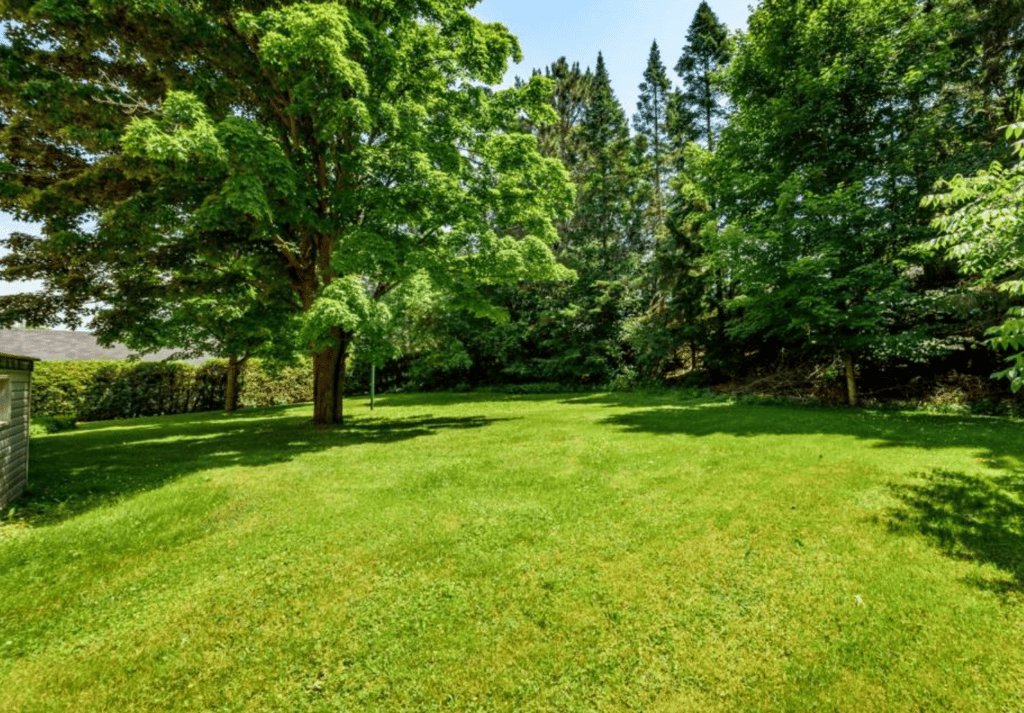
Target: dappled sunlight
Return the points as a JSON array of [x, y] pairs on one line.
[[970, 518]]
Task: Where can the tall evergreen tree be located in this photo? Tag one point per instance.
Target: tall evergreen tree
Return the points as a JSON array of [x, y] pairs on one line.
[[570, 332], [570, 90], [706, 52], [562, 138], [684, 289], [652, 123], [606, 243], [604, 203]]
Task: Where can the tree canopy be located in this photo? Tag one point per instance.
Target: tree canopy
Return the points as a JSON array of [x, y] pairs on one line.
[[982, 228], [341, 176], [350, 139]]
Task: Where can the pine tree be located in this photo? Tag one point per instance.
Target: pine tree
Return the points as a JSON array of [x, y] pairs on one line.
[[685, 291], [707, 51], [571, 89], [651, 121], [605, 250], [604, 195], [570, 332]]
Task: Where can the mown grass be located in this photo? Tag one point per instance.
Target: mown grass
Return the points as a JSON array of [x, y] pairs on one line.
[[520, 553]]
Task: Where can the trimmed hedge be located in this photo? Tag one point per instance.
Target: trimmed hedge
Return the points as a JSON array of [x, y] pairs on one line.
[[101, 390]]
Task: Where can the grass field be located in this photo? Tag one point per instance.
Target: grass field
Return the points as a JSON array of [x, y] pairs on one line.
[[502, 553]]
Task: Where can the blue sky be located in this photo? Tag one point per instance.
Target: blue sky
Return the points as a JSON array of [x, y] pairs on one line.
[[576, 29], [622, 31]]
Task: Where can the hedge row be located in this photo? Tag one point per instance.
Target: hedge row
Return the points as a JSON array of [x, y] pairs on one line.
[[99, 390]]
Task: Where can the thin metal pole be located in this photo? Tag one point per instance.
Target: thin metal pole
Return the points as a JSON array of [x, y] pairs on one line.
[[373, 383]]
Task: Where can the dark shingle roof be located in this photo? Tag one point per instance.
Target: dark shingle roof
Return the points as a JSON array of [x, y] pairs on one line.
[[61, 345], [5, 355]]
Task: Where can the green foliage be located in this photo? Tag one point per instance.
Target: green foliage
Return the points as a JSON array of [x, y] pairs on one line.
[[103, 390], [841, 120], [982, 228], [560, 138], [302, 148], [687, 292], [42, 424], [269, 384], [537, 387], [652, 126], [567, 332], [699, 110]]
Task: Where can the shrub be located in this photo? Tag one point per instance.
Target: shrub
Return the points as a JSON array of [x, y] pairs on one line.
[[269, 385], [101, 390], [50, 424], [539, 387]]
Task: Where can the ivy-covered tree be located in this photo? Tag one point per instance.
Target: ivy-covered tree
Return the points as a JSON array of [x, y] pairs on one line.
[[355, 140]]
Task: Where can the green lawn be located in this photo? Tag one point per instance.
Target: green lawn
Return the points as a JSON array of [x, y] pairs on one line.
[[502, 553]]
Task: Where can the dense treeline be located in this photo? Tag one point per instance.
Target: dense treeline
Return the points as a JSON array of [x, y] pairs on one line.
[[765, 214], [774, 206]]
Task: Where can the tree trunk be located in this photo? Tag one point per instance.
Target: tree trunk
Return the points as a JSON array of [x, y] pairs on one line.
[[329, 380], [232, 390], [851, 379]]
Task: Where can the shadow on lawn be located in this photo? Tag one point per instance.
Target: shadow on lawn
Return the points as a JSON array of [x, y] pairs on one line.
[[100, 463], [970, 518], [995, 442]]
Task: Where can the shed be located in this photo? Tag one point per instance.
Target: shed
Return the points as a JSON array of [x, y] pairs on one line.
[[15, 394]]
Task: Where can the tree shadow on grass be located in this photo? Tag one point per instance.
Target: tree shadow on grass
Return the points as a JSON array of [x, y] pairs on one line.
[[969, 518], [454, 398], [996, 442], [101, 463]]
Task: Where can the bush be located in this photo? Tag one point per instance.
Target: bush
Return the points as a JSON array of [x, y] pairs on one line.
[[62, 387], [101, 390], [539, 387], [271, 385], [50, 424]]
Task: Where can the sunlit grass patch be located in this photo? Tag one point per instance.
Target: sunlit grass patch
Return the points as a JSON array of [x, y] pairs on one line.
[[520, 552]]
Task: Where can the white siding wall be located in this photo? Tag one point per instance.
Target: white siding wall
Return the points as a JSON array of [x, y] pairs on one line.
[[14, 438]]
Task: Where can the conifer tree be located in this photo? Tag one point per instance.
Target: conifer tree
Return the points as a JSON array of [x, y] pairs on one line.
[[684, 290], [651, 121], [570, 332], [570, 90], [606, 245], [707, 51], [604, 200]]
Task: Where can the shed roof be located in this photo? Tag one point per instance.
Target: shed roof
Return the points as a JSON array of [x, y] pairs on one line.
[[5, 355], [63, 345]]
